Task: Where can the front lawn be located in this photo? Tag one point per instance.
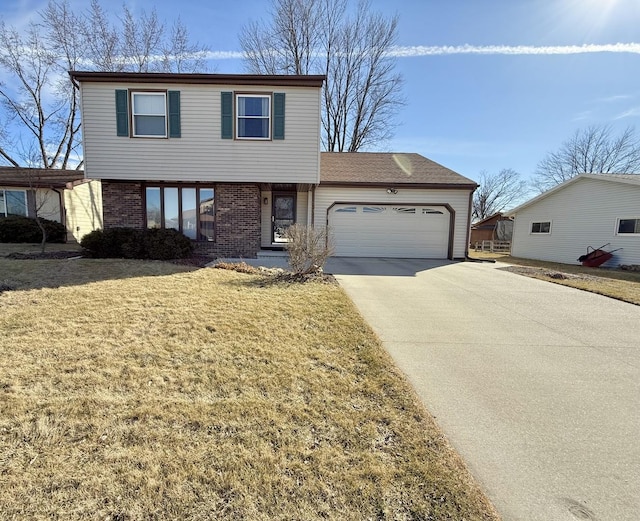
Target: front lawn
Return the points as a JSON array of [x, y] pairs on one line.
[[145, 390]]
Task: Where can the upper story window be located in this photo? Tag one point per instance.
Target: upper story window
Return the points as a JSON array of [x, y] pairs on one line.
[[154, 114], [629, 226], [541, 227], [149, 114], [13, 202], [253, 116]]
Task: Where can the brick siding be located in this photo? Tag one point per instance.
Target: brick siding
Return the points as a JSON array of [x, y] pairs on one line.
[[122, 205], [237, 224], [237, 221]]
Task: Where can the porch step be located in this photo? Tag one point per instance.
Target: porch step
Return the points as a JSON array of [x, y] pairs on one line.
[[266, 254]]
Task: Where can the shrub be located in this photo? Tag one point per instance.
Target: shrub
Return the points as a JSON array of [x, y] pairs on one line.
[[130, 243], [166, 244], [308, 248], [16, 228]]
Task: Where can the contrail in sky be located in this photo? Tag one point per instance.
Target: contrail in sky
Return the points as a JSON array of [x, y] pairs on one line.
[[443, 50], [508, 50]]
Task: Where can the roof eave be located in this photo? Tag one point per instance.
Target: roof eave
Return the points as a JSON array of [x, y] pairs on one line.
[[198, 78], [398, 184]]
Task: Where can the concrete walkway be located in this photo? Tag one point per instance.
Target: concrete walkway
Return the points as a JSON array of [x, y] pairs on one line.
[[536, 385]]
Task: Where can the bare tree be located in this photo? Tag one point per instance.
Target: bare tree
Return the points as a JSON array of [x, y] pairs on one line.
[[497, 192], [593, 150], [39, 105], [308, 248], [362, 92]]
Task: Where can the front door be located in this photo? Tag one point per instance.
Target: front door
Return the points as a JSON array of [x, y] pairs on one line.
[[283, 215]]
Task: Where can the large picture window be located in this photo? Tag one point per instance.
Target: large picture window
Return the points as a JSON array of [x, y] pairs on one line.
[[190, 210], [149, 114], [629, 226], [13, 202], [253, 116]]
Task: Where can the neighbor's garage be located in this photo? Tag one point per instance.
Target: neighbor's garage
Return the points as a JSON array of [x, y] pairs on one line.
[[382, 230], [392, 205]]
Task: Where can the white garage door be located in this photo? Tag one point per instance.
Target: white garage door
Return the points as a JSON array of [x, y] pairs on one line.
[[410, 231]]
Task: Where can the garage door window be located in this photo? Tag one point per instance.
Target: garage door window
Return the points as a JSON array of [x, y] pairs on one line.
[[405, 211], [431, 211], [346, 209], [374, 209]]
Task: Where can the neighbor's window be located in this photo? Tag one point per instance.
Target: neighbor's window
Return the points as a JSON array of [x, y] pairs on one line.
[[189, 210], [13, 202], [630, 226], [254, 116], [149, 114], [541, 227]]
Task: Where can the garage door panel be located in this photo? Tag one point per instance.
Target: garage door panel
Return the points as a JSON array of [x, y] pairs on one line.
[[390, 231]]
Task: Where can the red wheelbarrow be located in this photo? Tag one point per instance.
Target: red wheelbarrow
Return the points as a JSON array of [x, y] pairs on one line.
[[596, 256]]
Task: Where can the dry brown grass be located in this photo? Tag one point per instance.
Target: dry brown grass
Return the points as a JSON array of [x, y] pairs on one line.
[[9, 247], [205, 394], [614, 283]]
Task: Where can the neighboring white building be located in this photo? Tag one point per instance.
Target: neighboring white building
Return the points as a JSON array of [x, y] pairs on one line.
[[589, 210]]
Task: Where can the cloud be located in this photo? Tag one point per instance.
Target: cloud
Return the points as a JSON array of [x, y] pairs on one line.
[[223, 55], [615, 98], [508, 50], [631, 113], [417, 51]]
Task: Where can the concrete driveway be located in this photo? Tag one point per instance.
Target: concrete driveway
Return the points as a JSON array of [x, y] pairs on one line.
[[536, 385]]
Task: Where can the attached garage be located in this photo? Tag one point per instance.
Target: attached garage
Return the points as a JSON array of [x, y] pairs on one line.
[[383, 230], [393, 205]]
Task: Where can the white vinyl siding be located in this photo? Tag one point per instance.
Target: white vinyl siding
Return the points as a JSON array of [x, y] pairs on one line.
[[584, 213], [201, 154], [457, 199], [83, 206]]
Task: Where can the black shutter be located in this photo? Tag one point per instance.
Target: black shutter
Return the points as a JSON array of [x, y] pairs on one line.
[[278, 115], [174, 113], [227, 115], [122, 113]]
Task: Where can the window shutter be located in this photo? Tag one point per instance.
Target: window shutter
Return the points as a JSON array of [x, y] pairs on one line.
[[227, 115], [174, 113], [122, 112], [278, 115]]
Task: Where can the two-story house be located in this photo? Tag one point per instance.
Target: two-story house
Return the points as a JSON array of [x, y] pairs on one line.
[[232, 160]]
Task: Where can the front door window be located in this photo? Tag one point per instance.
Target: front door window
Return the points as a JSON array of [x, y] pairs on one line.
[[283, 216]]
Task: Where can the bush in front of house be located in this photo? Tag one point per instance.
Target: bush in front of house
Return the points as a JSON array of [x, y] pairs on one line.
[[16, 228], [129, 243], [166, 244]]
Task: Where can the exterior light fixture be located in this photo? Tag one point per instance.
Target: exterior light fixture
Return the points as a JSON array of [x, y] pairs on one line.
[[265, 201]]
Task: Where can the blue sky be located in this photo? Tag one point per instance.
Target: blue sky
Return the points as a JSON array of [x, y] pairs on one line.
[[489, 84]]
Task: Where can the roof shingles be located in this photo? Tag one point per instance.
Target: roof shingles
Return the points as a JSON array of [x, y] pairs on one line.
[[376, 168]]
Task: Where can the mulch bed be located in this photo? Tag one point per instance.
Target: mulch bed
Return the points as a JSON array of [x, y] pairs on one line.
[[546, 272], [45, 255]]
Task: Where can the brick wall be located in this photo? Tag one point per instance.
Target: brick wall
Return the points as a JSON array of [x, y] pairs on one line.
[[122, 205], [237, 221], [237, 216]]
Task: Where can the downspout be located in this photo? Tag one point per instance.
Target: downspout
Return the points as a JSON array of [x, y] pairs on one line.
[[63, 213]]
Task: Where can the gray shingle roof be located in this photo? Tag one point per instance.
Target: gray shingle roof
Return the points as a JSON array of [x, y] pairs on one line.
[[377, 168]]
